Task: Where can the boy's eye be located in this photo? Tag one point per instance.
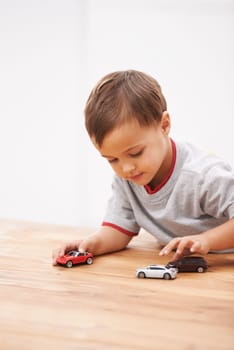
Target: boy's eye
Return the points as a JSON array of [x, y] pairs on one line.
[[134, 155], [112, 160]]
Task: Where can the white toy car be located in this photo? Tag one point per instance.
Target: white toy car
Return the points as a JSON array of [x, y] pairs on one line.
[[156, 271]]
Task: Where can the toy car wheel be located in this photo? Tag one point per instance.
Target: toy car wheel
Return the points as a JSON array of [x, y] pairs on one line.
[[141, 275], [200, 269], [89, 261], [166, 276], [69, 263]]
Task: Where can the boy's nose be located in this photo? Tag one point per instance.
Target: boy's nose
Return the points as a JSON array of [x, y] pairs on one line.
[[127, 168]]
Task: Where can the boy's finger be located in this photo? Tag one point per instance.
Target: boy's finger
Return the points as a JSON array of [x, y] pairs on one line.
[[169, 247], [63, 250], [196, 247], [56, 254], [183, 245], [83, 247]]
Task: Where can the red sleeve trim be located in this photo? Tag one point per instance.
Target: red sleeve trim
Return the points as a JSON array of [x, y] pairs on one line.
[[126, 232]]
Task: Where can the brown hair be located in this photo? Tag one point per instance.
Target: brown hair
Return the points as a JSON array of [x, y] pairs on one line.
[[120, 96]]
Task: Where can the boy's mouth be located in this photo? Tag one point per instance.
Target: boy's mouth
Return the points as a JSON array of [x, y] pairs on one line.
[[135, 177]]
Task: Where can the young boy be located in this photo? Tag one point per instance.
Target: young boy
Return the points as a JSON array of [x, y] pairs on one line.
[[182, 196]]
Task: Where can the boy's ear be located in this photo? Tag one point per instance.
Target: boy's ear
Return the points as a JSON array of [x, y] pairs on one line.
[[166, 122]]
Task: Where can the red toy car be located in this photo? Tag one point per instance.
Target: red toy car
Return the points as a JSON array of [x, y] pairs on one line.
[[74, 257]]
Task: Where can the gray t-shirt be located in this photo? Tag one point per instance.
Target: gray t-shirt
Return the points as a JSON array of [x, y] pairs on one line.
[[198, 196]]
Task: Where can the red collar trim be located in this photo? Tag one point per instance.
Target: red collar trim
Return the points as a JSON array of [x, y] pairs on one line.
[[158, 187]]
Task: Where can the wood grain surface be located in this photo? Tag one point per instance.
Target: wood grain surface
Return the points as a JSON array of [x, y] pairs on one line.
[[104, 306]]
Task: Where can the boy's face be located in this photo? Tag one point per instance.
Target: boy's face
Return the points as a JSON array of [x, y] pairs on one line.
[[139, 154]]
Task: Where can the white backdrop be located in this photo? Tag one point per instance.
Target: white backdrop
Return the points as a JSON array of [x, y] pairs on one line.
[[52, 52]]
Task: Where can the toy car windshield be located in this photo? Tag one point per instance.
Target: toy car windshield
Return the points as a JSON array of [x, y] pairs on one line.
[[170, 265], [73, 253]]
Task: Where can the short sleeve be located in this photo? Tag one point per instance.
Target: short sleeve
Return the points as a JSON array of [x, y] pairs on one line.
[[119, 212], [217, 191]]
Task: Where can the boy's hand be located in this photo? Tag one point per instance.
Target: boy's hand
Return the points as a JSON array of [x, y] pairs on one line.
[[81, 245], [105, 240], [186, 245], [63, 249]]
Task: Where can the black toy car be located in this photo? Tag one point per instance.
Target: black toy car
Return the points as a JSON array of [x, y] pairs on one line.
[[189, 264]]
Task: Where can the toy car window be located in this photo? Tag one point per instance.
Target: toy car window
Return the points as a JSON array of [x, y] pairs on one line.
[[72, 253]]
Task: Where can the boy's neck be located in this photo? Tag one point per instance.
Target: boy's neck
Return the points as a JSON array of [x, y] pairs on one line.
[[166, 170]]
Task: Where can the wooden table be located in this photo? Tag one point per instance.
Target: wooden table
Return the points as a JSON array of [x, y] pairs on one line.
[[104, 306]]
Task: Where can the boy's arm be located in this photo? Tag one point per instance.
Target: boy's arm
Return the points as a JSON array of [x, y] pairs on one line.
[[105, 240], [218, 238]]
